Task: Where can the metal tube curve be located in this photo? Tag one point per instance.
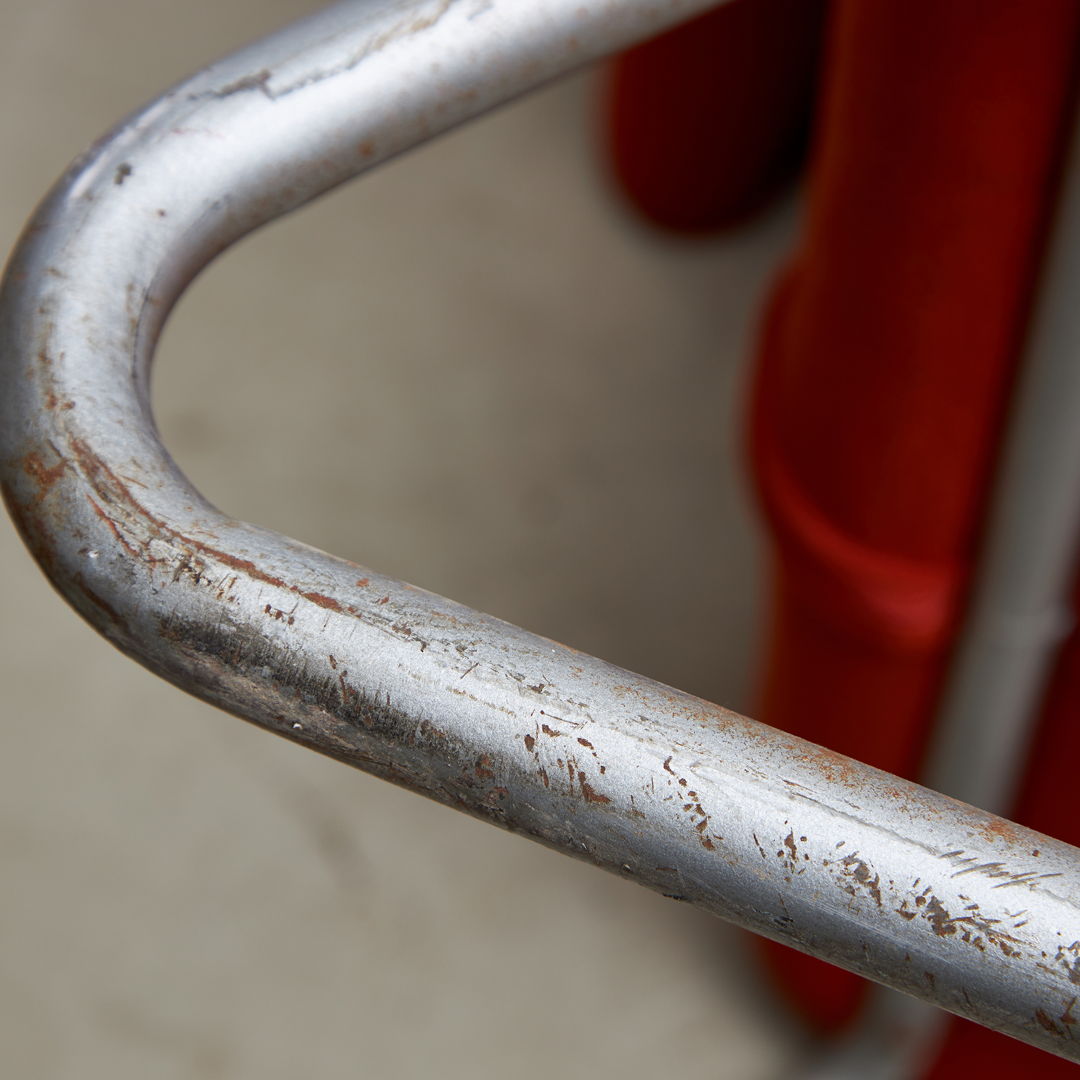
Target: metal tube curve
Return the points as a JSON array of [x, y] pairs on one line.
[[903, 885]]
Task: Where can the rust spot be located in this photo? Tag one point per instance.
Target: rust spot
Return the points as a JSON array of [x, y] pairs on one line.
[[585, 742], [707, 844], [385, 600], [367, 149], [588, 793], [544, 777], [363, 583], [667, 766], [1067, 1017], [245, 566], [347, 692], [940, 921], [114, 493], [43, 476], [1045, 1021], [327, 602], [122, 173], [112, 526], [549, 731], [483, 767], [530, 742], [861, 872]]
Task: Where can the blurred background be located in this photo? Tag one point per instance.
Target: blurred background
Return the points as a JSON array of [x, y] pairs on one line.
[[474, 370]]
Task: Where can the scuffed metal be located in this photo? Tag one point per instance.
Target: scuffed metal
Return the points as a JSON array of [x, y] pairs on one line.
[[896, 882]]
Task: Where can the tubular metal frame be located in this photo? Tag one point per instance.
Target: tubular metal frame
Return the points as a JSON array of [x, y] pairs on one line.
[[898, 883]]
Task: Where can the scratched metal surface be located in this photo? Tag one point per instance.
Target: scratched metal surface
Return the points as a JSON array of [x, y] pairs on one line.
[[907, 887]]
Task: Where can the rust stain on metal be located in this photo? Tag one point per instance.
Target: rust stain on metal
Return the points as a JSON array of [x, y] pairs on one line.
[[257, 81], [278, 615], [1071, 967], [99, 602], [323, 601], [112, 489], [484, 768], [972, 928], [941, 922], [834, 767], [861, 872], [54, 404], [588, 792], [44, 476], [112, 527], [530, 742]]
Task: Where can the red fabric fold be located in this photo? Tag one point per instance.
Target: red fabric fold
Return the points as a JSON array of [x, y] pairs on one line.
[[706, 121]]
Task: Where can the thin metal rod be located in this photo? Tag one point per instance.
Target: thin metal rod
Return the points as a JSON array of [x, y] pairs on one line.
[[905, 886]]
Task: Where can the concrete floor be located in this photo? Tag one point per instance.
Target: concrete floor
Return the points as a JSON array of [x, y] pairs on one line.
[[472, 370]]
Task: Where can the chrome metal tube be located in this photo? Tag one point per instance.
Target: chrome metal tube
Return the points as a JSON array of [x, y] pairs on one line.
[[896, 882]]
